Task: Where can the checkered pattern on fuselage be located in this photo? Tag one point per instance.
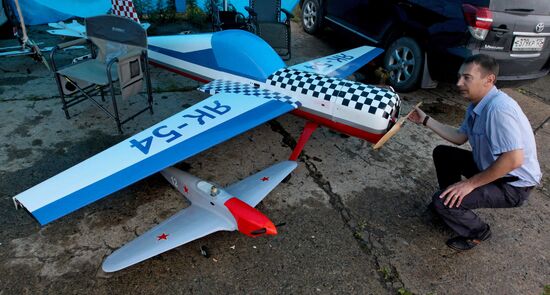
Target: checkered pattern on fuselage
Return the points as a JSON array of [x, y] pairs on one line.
[[309, 84], [125, 8], [218, 86], [355, 95]]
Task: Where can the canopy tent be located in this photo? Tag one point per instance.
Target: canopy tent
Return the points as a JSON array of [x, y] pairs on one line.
[[37, 12]]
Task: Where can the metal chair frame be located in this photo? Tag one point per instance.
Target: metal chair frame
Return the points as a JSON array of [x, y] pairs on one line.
[[255, 21], [87, 92]]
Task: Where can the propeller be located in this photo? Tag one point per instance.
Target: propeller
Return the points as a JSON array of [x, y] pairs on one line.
[[263, 230], [394, 129]]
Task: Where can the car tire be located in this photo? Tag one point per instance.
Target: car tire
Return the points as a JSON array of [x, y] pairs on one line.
[[404, 60], [312, 16]]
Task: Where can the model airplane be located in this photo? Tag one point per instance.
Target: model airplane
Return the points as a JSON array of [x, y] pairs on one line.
[[250, 85], [213, 209]]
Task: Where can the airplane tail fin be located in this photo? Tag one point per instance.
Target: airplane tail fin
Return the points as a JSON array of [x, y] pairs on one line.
[[125, 8]]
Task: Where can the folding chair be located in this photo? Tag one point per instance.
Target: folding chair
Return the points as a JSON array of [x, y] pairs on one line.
[[226, 20], [265, 17], [118, 55]]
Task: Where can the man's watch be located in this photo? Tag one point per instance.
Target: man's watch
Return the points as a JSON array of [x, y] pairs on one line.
[[425, 120]]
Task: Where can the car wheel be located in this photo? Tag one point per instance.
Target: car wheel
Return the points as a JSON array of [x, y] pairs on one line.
[[311, 16], [404, 61]]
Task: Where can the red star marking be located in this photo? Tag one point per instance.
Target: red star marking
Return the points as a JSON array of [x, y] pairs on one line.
[[162, 237], [185, 189], [264, 178]]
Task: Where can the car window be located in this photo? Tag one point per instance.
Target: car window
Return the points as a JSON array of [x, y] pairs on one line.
[[525, 6]]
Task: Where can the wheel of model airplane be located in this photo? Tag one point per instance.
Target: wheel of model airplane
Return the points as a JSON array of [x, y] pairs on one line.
[[311, 16], [403, 61]]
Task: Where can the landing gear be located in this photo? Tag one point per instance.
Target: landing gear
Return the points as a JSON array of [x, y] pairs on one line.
[[204, 251], [308, 130]]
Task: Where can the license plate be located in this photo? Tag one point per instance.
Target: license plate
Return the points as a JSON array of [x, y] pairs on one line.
[[528, 44]]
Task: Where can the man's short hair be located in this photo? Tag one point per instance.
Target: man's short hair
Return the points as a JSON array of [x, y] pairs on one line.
[[487, 63]]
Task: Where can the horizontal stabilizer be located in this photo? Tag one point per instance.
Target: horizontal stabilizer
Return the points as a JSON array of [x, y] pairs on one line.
[[340, 65], [253, 189], [208, 123]]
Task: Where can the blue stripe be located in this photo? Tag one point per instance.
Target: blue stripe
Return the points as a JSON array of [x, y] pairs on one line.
[[356, 64], [161, 160], [203, 58]]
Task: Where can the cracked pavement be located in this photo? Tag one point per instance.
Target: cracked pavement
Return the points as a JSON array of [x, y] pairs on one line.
[[355, 218]]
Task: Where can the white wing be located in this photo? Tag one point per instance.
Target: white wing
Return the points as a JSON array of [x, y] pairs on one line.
[[72, 29], [207, 123], [185, 226], [253, 189], [340, 64]]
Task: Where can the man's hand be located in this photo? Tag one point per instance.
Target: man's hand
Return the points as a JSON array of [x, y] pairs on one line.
[[417, 116], [454, 194]]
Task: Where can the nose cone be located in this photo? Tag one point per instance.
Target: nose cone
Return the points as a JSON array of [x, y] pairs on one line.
[[270, 229], [250, 221]]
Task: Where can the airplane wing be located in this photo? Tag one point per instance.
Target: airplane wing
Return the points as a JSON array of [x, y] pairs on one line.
[[207, 123], [253, 189], [75, 29], [66, 33], [185, 226], [25, 51], [341, 64], [72, 29]]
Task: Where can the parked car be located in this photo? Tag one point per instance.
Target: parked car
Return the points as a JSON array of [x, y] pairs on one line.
[[427, 39]]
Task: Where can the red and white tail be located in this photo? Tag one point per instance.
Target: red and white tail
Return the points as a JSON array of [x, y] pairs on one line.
[[125, 8]]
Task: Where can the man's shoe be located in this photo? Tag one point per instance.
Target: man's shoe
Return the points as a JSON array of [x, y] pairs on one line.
[[465, 243]]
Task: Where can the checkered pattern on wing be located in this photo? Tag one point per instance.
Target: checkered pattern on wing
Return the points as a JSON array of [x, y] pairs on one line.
[[125, 8], [367, 97], [218, 86], [306, 83]]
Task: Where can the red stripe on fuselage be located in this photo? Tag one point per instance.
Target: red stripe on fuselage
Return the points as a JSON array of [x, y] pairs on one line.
[[352, 131], [248, 218]]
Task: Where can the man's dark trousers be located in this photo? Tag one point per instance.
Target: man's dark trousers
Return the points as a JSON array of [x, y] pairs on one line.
[[451, 164]]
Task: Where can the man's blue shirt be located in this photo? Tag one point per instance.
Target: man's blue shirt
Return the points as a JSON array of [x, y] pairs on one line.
[[497, 125]]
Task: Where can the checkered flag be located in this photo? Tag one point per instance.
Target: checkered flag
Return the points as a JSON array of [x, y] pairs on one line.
[[125, 8]]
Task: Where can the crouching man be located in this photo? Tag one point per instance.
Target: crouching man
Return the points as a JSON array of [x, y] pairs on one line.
[[502, 168]]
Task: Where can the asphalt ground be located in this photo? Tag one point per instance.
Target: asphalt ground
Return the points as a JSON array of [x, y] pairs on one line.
[[356, 219]]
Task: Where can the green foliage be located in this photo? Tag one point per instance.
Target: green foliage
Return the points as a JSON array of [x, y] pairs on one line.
[[163, 11], [546, 290], [386, 273], [211, 4], [194, 14], [403, 291]]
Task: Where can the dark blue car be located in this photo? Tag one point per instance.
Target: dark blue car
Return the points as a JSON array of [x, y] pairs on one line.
[[429, 39]]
